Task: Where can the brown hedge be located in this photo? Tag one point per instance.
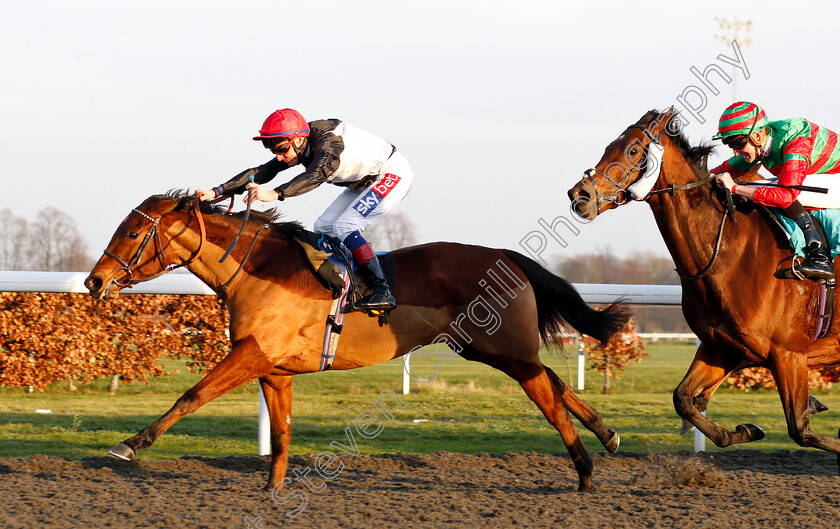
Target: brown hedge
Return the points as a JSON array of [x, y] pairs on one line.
[[47, 338]]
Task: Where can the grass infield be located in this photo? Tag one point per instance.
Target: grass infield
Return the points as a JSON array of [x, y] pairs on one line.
[[466, 408]]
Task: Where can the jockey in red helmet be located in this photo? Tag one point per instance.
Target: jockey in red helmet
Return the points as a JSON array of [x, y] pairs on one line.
[[374, 175], [788, 148]]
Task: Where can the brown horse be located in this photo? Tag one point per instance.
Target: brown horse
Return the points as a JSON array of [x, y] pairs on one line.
[[278, 310], [742, 314]]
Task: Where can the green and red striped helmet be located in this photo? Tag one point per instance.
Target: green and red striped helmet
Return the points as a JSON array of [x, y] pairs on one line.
[[285, 123], [741, 118]]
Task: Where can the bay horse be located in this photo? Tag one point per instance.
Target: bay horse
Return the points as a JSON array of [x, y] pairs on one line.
[[741, 313], [278, 309]]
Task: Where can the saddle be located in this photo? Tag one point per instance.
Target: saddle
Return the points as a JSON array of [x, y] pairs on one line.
[[330, 259]]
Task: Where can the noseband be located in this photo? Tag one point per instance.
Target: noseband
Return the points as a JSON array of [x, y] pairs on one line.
[[154, 233]]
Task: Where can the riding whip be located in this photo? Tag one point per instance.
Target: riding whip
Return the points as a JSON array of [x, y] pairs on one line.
[[244, 220], [812, 189]]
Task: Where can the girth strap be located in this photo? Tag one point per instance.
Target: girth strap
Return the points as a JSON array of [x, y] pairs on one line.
[[335, 319], [825, 308], [335, 323]]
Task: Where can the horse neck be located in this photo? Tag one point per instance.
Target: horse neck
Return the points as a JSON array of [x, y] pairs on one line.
[[276, 256], [219, 233], [688, 220]]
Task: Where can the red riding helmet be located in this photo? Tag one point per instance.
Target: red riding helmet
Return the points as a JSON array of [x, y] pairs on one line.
[[286, 123]]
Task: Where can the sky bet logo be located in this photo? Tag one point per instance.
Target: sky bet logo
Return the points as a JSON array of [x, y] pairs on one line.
[[377, 192]]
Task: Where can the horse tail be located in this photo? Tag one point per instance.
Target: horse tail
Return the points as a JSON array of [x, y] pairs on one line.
[[558, 302]]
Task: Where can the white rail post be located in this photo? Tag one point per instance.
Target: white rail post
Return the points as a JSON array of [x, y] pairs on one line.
[[699, 438], [406, 375], [265, 427], [581, 363]]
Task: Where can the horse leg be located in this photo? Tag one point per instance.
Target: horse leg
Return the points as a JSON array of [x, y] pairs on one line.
[[586, 414], [537, 385], [278, 398], [244, 362], [707, 372], [790, 371]]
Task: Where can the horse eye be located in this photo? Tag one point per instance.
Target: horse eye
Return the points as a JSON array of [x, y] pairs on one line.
[[132, 235], [633, 152]]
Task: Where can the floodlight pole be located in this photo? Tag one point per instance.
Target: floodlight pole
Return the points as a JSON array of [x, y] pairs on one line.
[[743, 44]]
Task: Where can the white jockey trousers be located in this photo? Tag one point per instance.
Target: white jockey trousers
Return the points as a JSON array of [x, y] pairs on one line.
[[353, 210]]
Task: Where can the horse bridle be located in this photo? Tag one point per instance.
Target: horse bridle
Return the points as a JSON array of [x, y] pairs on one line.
[[620, 197], [154, 233]]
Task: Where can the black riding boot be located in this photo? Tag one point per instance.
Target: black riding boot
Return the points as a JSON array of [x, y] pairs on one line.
[[381, 299], [818, 264]]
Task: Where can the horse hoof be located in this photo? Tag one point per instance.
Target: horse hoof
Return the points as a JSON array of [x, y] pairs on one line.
[[686, 427], [585, 484], [612, 443], [753, 432], [122, 451], [815, 406]]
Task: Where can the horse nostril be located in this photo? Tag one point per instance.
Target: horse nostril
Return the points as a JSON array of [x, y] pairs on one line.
[[93, 283], [576, 195]]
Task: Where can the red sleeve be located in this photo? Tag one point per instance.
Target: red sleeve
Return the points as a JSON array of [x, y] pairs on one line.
[[792, 172]]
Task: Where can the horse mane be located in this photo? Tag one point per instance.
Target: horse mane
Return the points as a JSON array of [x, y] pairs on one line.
[[696, 155], [186, 200]]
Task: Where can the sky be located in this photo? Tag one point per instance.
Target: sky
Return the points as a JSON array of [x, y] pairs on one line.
[[498, 106]]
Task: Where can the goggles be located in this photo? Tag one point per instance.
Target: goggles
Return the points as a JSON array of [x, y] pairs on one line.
[[736, 142], [281, 146]]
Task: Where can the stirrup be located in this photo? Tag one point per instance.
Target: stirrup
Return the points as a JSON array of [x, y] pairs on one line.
[[381, 313], [372, 307], [816, 269]]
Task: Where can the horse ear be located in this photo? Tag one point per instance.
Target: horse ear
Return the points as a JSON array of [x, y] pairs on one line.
[[649, 115]]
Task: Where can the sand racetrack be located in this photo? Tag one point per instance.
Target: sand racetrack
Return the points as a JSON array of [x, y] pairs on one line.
[[731, 489]]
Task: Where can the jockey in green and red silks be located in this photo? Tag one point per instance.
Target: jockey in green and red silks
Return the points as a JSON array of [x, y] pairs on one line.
[[790, 149]]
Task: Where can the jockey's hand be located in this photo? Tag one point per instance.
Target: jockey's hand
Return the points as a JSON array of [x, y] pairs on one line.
[[205, 194], [724, 180], [260, 193]]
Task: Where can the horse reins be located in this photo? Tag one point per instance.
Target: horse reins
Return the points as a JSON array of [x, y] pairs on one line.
[[244, 220], [226, 284], [223, 288], [154, 233]]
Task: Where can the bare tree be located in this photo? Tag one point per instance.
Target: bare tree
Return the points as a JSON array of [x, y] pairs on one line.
[[603, 266], [393, 231], [57, 243], [14, 239]]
